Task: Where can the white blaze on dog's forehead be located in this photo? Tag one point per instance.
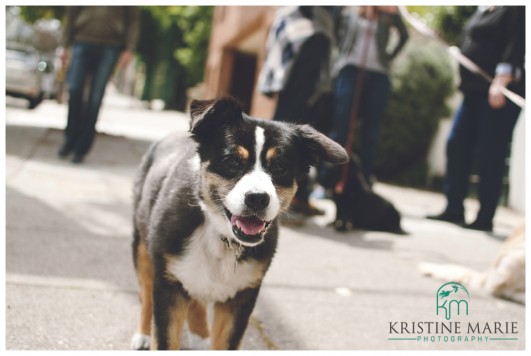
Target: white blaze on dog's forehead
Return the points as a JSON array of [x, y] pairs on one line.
[[259, 136], [256, 181]]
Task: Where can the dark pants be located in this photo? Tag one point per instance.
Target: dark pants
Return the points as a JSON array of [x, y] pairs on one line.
[[483, 135], [375, 93], [88, 61], [292, 103]]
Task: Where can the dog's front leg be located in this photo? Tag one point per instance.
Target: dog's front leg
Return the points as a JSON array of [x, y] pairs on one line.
[[231, 318], [170, 309]]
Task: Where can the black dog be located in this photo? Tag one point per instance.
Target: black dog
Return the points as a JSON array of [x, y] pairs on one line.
[[205, 219], [358, 206]]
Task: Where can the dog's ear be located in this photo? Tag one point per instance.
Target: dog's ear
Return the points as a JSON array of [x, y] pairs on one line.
[[207, 116], [318, 146]]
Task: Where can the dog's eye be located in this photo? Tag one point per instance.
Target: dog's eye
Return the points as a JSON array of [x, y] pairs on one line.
[[278, 169], [233, 162]]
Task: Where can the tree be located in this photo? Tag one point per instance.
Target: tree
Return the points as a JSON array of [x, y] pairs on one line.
[[173, 46]]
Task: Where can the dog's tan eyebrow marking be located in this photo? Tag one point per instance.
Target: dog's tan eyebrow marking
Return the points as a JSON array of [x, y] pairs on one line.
[[272, 152], [243, 152]]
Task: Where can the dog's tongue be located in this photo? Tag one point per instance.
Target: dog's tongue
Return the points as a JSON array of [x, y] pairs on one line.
[[250, 225]]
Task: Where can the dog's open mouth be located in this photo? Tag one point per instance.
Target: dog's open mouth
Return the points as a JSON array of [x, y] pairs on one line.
[[247, 228]]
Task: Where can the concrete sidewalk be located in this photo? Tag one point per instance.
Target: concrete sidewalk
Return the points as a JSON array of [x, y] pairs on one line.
[[70, 282]]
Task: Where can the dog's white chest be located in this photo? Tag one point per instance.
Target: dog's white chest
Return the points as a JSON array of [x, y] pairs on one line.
[[207, 268]]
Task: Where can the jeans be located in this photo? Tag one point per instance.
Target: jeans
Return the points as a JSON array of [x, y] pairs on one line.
[[375, 93], [481, 134], [97, 63]]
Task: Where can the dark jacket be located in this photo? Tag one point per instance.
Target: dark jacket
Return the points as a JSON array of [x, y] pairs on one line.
[[492, 37], [102, 25]]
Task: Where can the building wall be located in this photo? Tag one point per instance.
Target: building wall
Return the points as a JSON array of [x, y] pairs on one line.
[[238, 32]]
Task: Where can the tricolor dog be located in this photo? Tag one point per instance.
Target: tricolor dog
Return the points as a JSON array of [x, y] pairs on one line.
[[205, 219]]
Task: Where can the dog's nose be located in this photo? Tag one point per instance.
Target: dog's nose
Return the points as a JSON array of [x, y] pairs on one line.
[[257, 201]]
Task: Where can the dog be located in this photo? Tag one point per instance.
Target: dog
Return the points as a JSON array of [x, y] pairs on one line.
[[505, 279], [359, 207], [205, 219]]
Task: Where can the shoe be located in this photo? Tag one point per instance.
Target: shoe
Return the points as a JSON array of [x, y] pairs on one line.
[[305, 208], [480, 226], [456, 218], [64, 152], [77, 159]]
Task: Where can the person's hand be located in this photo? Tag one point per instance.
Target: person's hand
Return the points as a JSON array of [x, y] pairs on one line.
[[125, 58], [496, 97]]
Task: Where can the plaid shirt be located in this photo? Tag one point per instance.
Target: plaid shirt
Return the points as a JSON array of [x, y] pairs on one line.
[[289, 31]]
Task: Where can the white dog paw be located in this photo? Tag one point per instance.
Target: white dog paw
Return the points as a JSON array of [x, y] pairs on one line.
[[140, 342], [199, 343]]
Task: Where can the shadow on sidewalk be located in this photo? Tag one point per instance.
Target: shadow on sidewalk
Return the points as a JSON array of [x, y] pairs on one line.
[[42, 144], [355, 238]]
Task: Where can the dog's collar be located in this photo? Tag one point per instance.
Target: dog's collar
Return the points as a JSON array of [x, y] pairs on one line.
[[236, 247]]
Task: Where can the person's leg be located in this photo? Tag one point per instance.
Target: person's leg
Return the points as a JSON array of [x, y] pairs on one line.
[[343, 96], [344, 88], [495, 133], [376, 92], [459, 157], [103, 68], [77, 73], [303, 80]]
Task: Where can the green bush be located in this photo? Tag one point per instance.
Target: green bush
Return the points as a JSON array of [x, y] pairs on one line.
[[423, 80]]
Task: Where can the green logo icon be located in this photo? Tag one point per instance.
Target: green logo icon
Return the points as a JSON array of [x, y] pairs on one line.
[[452, 297]]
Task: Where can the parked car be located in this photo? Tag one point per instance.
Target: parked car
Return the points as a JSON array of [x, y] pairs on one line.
[[24, 73]]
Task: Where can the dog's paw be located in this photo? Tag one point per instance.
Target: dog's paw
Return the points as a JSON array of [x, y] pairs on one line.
[[140, 342], [342, 225], [198, 343]]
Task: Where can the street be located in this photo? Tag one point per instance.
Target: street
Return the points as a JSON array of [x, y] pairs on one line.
[[70, 282]]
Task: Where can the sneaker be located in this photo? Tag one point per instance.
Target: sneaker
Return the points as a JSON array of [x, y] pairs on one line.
[[480, 226], [456, 218], [77, 159]]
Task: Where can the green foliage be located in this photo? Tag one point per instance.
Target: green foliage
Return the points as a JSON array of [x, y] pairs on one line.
[[174, 46], [31, 14], [450, 20], [422, 80], [446, 21]]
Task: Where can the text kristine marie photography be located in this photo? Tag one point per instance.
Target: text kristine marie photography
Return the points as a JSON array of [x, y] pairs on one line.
[[452, 302]]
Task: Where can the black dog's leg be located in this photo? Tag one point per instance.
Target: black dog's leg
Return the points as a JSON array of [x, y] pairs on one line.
[[342, 213], [231, 319]]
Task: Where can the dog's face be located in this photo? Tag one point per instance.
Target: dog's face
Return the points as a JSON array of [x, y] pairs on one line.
[[249, 167]]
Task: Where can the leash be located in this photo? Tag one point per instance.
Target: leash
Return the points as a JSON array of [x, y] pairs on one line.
[[458, 56], [340, 186]]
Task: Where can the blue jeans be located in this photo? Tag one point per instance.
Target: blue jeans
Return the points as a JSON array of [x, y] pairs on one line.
[[97, 63], [481, 134], [375, 93]]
